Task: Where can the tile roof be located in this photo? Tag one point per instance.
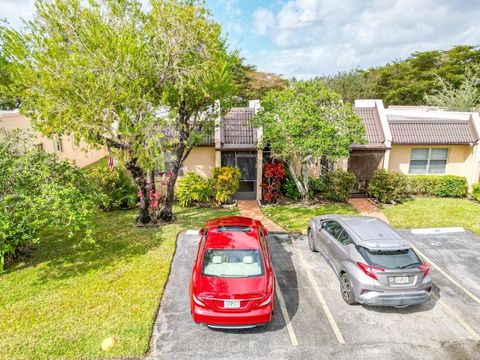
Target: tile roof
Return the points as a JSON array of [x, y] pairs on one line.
[[237, 129], [373, 128], [408, 130]]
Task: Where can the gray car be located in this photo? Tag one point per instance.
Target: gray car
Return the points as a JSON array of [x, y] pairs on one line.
[[374, 264]]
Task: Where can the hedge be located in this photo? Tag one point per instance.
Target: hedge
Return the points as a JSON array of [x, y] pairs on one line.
[[437, 185], [388, 186]]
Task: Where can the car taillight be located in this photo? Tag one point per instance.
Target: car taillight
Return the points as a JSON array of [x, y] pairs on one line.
[[267, 300], [425, 268], [369, 270], [198, 301]]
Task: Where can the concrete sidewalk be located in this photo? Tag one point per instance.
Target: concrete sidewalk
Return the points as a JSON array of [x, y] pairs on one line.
[[367, 208], [251, 209]]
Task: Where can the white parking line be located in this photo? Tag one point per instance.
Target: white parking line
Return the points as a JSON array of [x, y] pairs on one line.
[[283, 307], [455, 316], [452, 280], [320, 297]]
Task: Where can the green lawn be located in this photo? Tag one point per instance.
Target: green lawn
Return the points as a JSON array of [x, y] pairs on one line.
[[435, 212], [65, 299], [296, 217]]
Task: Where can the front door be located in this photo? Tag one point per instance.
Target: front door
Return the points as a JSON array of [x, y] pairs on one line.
[[246, 161]]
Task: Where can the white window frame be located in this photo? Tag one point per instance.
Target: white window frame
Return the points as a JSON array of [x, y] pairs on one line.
[[429, 158], [58, 144]]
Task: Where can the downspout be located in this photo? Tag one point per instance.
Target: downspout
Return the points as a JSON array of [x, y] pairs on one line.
[[255, 104], [218, 135]]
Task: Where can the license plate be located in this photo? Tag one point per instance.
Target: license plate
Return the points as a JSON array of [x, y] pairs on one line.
[[401, 280], [231, 304]]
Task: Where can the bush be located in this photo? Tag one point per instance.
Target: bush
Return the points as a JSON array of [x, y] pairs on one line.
[[113, 187], [476, 191], [336, 185], [437, 185], [273, 174], [193, 189], [37, 190], [290, 189], [387, 186], [226, 181]]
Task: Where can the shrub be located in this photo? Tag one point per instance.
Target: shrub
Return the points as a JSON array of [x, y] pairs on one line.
[[387, 186], [226, 181], [476, 191], [273, 174], [437, 185], [114, 189], [336, 185], [193, 189], [37, 190], [290, 189]]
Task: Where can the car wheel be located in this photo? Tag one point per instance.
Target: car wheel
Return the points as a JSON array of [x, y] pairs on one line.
[[346, 289], [311, 242]]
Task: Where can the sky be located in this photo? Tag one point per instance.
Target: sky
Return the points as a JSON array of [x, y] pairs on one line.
[[307, 38]]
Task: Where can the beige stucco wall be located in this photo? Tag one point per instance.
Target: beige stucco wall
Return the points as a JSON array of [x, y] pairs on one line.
[[459, 161], [201, 160], [79, 154]]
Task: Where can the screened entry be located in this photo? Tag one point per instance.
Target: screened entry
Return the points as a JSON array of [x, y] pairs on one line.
[[246, 161]]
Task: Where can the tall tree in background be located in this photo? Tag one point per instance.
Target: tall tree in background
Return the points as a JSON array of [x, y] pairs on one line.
[[253, 84], [305, 123], [101, 70], [465, 97], [350, 85], [406, 82]]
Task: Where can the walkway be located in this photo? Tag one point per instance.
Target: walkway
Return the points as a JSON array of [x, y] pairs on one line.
[[250, 208], [367, 208]]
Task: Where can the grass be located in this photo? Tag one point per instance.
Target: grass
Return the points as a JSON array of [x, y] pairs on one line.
[[64, 299], [435, 212], [296, 217]]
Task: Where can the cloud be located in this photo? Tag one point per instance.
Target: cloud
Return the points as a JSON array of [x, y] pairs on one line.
[[314, 37], [263, 21]]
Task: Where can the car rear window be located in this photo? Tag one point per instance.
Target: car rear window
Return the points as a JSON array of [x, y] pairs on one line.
[[391, 259], [232, 263], [233, 229]]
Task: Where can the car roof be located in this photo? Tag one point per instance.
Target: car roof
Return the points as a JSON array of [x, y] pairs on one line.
[[226, 239], [370, 231]]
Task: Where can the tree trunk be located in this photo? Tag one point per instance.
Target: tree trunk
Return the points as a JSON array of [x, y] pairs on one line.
[[151, 181], [166, 213], [143, 218], [304, 174], [299, 184]]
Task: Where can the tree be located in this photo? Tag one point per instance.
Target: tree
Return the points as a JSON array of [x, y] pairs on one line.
[[253, 84], [465, 97], [36, 191], [305, 123], [103, 70], [350, 85]]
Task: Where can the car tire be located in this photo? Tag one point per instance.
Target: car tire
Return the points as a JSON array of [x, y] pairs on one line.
[[311, 242], [346, 289]]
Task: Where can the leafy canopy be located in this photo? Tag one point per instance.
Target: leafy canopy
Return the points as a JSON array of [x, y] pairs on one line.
[[37, 191], [308, 120], [102, 69]]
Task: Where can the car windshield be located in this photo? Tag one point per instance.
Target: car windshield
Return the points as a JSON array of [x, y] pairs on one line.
[[232, 263], [391, 259]]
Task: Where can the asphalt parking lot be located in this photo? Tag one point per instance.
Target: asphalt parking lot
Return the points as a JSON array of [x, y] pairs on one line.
[[315, 321]]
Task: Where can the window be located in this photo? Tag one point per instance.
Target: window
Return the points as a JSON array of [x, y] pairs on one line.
[[428, 161], [333, 228], [58, 145], [344, 238], [232, 263], [391, 259], [39, 146]]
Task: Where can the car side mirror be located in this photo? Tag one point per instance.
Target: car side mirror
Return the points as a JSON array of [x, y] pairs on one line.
[[265, 231], [322, 225], [201, 231]]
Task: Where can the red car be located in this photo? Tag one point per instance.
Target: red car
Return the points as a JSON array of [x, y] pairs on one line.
[[233, 282]]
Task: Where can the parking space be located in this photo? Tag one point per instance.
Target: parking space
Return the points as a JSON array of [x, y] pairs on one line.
[[319, 319]]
